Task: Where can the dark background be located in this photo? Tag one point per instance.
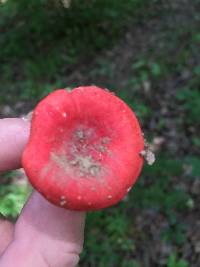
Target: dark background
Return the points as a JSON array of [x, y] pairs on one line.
[[148, 53]]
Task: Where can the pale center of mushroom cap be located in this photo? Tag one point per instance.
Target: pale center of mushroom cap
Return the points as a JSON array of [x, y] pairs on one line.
[[83, 153]]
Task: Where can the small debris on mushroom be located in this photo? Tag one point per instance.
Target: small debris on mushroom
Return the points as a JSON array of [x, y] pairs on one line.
[[147, 154]]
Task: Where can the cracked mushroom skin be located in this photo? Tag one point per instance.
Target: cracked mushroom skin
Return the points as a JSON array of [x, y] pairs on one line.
[[84, 148]]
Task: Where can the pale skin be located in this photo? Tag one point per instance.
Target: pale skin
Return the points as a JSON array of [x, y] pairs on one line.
[[44, 235]]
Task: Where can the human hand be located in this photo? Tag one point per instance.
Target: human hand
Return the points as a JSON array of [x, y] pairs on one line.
[[44, 235]]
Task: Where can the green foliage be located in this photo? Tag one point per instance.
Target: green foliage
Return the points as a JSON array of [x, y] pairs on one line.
[[196, 37], [192, 163], [107, 231], [42, 33], [190, 98], [12, 199], [175, 232], [43, 40], [130, 263], [196, 141], [104, 68], [173, 261], [160, 196], [142, 110], [166, 166], [154, 189], [145, 69]]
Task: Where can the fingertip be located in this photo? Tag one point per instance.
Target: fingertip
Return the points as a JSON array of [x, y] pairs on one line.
[[56, 233], [14, 134]]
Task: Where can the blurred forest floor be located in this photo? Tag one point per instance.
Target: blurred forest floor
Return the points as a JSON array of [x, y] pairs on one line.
[[152, 61]]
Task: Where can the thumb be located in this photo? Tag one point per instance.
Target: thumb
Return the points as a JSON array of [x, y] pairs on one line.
[[6, 234], [45, 235]]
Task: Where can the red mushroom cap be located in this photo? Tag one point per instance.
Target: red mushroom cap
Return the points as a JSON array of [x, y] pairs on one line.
[[84, 148]]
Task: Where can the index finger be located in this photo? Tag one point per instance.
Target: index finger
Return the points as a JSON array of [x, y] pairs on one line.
[[14, 134]]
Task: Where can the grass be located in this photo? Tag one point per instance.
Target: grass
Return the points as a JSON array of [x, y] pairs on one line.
[[164, 76]]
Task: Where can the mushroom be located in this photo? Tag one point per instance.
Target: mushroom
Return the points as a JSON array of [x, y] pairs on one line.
[[84, 148]]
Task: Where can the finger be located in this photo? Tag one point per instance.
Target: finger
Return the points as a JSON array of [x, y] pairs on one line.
[[6, 234], [45, 235], [14, 135]]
